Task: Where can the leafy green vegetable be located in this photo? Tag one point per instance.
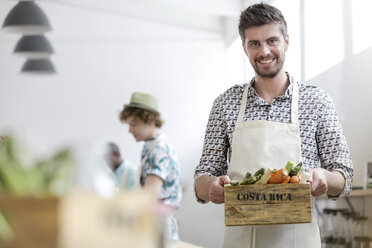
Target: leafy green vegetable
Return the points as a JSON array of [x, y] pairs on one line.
[[249, 179], [234, 183], [295, 170], [46, 176], [289, 165]]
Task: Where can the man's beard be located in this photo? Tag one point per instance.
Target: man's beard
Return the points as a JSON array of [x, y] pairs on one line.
[[268, 74]]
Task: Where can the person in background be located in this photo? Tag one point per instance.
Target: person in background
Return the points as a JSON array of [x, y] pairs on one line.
[[125, 173], [159, 169], [265, 123]]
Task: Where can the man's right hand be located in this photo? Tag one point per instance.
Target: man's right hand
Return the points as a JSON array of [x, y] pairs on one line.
[[211, 188], [216, 189]]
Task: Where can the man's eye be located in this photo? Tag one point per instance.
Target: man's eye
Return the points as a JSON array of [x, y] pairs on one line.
[[272, 42], [253, 44]]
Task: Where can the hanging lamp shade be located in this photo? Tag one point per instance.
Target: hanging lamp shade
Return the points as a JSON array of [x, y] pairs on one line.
[[33, 47], [38, 66], [26, 18]]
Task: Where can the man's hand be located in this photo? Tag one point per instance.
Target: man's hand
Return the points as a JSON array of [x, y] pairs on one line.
[[318, 181], [216, 189], [211, 188], [326, 182]]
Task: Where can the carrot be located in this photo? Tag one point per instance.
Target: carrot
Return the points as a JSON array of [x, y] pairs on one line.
[[286, 180], [278, 176], [295, 179]]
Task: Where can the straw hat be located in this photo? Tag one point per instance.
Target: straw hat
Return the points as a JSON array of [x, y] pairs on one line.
[[143, 101]]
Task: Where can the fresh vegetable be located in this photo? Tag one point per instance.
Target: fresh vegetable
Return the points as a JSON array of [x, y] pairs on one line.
[[260, 172], [289, 165], [234, 183], [295, 170], [305, 177], [286, 180], [249, 179], [20, 176], [248, 174], [278, 176], [295, 179], [288, 174], [265, 177]]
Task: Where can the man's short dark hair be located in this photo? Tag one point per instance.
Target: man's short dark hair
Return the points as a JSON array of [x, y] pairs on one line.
[[113, 148], [260, 14]]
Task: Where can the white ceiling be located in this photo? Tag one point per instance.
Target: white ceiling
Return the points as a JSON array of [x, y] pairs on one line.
[[207, 15], [74, 20]]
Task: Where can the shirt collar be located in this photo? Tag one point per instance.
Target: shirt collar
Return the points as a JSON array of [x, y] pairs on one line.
[[156, 137], [259, 101]]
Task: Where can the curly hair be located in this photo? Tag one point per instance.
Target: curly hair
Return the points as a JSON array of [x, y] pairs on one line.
[[260, 14], [145, 115]]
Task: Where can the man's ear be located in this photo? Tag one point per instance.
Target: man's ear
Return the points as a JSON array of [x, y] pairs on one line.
[[286, 40], [244, 47]]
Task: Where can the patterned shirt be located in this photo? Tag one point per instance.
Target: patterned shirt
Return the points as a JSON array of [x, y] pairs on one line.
[[161, 160], [129, 180], [322, 137]]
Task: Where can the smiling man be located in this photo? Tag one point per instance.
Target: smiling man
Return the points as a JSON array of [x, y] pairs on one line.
[[265, 123]]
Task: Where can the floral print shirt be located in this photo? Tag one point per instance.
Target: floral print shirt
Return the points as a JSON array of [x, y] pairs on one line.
[[160, 159]]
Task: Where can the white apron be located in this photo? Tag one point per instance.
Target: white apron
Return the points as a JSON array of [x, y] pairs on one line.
[[268, 144]]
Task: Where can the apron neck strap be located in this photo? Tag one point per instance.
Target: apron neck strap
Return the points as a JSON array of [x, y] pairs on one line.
[[294, 104], [243, 104]]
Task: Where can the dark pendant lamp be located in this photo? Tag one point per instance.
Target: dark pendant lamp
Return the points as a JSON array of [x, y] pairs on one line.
[[38, 67], [33, 47], [26, 18]]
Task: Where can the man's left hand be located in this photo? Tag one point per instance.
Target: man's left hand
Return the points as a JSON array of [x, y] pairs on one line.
[[318, 181]]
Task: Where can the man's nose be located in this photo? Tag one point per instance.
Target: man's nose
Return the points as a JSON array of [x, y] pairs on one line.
[[264, 50]]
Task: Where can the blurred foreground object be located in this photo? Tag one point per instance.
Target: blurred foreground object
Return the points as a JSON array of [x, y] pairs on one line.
[[36, 176], [23, 176], [81, 219]]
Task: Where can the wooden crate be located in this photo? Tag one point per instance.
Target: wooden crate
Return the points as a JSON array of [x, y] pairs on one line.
[[33, 220], [267, 204], [82, 219]]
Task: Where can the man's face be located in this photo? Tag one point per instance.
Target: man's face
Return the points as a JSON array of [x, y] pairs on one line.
[[140, 130], [265, 47]]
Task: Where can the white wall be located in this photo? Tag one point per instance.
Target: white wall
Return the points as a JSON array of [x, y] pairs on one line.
[[100, 60]]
